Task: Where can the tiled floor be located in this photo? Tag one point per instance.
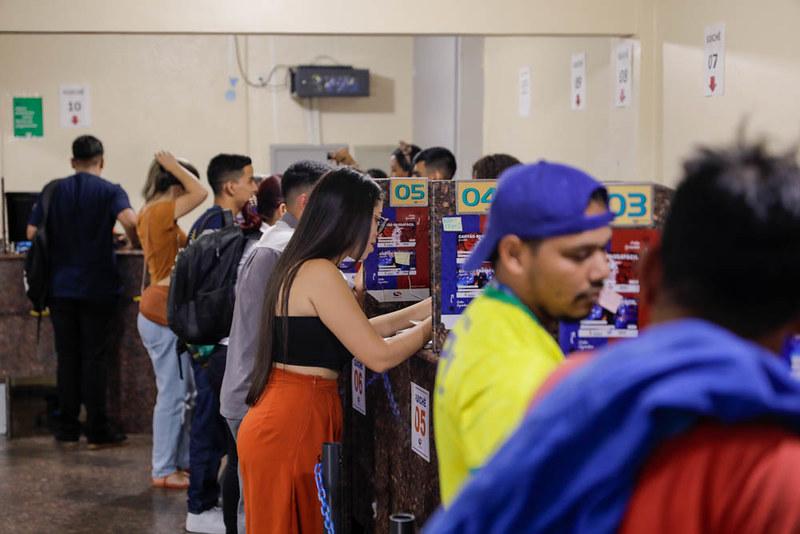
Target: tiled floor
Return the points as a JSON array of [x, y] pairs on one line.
[[47, 489]]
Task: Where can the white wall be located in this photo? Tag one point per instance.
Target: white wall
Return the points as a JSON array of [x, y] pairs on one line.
[[168, 91], [601, 139], [762, 75], [609, 17]]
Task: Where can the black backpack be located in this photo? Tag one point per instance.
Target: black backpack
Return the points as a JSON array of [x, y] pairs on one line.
[[202, 290], [37, 260]]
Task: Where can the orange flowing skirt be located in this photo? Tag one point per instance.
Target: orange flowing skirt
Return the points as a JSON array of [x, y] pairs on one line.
[[279, 443]]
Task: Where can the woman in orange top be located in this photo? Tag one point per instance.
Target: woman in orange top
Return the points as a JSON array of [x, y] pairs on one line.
[[312, 328], [172, 190]]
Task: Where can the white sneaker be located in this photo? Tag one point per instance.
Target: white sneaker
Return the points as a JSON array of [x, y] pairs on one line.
[[208, 522]]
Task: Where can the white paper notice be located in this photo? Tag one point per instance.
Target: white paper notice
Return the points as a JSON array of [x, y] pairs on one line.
[[525, 92], [714, 57], [610, 300], [420, 421], [623, 55], [76, 109], [358, 381], [578, 81], [452, 224]]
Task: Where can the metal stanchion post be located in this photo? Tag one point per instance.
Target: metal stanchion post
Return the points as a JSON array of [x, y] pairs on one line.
[[332, 476], [402, 523]]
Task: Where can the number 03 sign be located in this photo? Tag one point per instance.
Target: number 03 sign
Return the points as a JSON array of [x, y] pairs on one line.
[[420, 421], [632, 204]]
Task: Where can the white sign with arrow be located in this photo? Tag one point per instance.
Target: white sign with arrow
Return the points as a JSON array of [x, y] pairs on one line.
[[623, 54], [714, 45], [76, 110], [578, 81]]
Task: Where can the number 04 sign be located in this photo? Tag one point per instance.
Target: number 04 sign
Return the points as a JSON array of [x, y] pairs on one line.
[[420, 421]]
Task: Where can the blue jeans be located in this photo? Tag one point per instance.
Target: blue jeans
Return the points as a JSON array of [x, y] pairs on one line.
[[170, 421], [208, 436]]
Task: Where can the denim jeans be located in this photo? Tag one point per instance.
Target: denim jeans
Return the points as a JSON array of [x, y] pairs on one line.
[[208, 436], [171, 422]]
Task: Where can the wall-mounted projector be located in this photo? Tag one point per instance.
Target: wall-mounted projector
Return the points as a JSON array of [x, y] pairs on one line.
[[340, 80]]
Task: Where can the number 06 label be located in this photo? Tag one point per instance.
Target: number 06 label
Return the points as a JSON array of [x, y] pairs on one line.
[[420, 421], [358, 380]]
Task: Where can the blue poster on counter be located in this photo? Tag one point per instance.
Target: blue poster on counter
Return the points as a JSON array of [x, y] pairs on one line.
[[459, 287]]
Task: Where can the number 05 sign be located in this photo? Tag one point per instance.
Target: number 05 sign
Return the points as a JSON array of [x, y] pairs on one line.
[[420, 421]]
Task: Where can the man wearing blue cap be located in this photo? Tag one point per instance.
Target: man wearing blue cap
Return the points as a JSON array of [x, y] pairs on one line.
[[546, 239]]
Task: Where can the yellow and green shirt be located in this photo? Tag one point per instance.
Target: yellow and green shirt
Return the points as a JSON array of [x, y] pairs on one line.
[[495, 358]]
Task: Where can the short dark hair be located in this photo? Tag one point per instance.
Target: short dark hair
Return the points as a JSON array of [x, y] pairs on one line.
[[491, 166], [301, 175], [438, 158], [377, 173], [225, 168], [731, 241], [87, 148]]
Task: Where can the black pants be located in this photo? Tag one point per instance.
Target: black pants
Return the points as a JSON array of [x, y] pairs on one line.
[[230, 478], [82, 340]]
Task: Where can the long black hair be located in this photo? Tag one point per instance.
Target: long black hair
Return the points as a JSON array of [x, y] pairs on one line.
[[336, 222]]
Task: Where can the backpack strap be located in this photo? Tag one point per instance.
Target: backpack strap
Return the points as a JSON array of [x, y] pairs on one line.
[[227, 218], [45, 198]]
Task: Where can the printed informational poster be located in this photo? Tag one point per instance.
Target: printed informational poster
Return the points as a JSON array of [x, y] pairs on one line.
[[459, 286], [524, 92], [358, 381], [578, 81], [28, 116], [420, 421], [714, 57], [622, 288], [398, 270], [75, 105], [623, 59]]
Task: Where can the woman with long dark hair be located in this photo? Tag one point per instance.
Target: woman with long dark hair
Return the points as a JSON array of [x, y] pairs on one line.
[[312, 327], [172, 190]]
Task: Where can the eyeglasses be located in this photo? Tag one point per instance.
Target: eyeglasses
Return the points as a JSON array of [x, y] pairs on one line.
[[382, 222]]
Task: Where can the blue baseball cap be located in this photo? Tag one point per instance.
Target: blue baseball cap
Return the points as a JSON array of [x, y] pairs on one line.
[[537, 201]]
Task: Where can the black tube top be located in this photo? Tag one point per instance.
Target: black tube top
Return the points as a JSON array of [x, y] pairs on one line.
[[311, 344]]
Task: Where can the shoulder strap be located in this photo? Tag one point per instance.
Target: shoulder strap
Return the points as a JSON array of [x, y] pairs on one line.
[[227, 218]]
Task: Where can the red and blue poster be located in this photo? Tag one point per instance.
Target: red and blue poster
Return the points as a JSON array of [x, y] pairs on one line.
[[399, 268], [460, 235], [628, 316]]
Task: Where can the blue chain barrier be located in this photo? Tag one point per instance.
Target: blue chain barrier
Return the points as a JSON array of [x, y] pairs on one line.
[[325, 508], [373, 378], [387, 385]]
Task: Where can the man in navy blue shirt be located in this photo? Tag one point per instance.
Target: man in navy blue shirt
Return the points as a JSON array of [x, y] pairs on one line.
[[231, 179], [84, 288]]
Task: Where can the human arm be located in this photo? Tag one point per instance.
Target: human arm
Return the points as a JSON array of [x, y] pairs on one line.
[[127, 219], [339, 311], [194, 194], [389, 323]]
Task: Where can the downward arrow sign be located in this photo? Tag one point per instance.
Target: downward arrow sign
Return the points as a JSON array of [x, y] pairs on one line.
[[712, 83]]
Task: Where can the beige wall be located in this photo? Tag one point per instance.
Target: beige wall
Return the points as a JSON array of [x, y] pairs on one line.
[[762, 74], [609, 17], [601, 139], [153, 91]]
